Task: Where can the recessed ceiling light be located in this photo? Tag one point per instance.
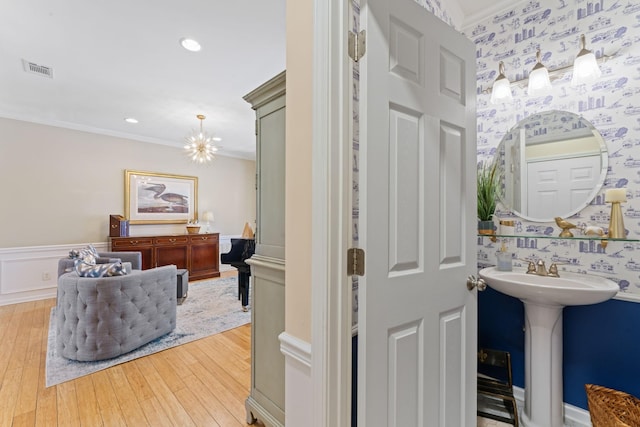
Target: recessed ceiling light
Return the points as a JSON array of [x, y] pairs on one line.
[[217, 139], [190, 44], [131, 120]]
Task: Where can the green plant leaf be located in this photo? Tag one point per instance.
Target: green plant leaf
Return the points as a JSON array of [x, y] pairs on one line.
[[487, 191]]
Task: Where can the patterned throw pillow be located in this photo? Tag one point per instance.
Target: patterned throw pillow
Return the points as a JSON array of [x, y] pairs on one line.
[[85, 269], [88, 254]]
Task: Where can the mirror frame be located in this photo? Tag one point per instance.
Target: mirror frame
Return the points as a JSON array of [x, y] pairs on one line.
[[604, 165]]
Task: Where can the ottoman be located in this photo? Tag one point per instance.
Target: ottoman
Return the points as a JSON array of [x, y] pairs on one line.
[[182, 284]]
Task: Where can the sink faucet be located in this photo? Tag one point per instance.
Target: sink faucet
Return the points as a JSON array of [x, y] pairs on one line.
[[539, 269], [553, 270]]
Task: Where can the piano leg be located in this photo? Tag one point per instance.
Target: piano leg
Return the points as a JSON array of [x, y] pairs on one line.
[[243, 288]]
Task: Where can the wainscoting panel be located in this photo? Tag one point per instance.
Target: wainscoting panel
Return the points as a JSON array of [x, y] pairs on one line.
[[31, 273], [28, 274], [224, 243], [297, 359]]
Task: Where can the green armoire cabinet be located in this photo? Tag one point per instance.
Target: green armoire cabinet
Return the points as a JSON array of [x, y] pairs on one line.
[[266, 398]]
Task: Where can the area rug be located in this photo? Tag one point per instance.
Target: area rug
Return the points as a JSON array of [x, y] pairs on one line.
[[211, 307]]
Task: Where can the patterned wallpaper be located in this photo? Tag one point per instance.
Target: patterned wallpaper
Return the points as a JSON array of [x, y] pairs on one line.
[[611, 104], [438, 9], [355, 209]]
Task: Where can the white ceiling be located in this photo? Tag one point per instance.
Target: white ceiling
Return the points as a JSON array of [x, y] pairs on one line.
[[114, 59]]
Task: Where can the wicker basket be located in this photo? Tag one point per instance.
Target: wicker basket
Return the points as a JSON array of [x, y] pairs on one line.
[[612, 408], [193, 229]]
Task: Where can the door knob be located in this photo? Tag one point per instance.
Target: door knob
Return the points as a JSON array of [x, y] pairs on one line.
[[473, 282]]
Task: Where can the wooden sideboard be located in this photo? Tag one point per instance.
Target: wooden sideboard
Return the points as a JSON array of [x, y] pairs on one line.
[[198, 253]]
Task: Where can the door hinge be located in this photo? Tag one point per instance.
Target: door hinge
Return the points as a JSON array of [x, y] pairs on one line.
[[355, 262], [357, 45], [256, 127]]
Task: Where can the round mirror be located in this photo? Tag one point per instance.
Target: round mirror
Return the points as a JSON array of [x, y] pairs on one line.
[[550, 164]]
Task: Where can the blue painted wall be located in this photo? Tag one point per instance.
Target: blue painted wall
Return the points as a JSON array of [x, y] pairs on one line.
[[601, 343], [601, 346]]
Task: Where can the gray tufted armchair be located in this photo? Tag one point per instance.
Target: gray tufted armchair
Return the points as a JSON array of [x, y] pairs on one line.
[[101, 318]]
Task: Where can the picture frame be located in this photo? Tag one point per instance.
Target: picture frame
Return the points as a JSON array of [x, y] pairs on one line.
[[160, 198]]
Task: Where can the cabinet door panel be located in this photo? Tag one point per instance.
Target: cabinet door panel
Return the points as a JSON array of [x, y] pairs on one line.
[[204, 259], [135, 244], [176, 255], [147, 256]]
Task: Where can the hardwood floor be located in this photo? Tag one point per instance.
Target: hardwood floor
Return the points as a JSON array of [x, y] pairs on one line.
[[202, 383]]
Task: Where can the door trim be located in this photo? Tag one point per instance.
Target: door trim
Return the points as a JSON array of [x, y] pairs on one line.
[[331, 218]]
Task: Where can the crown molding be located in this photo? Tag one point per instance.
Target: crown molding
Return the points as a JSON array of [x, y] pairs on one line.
[[115, 134], [485, 13]]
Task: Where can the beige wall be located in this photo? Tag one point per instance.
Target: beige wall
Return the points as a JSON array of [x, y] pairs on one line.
[[298, 167], [59, 185]]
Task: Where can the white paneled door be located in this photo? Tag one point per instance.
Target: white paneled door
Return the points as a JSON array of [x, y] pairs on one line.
[[560, 185], [417, 321]]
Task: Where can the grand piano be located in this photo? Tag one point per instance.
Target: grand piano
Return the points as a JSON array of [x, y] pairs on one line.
[[241, 249]]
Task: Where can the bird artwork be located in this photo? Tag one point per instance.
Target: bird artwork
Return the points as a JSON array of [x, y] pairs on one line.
[[176, 202], [565, 226], [593, 230]]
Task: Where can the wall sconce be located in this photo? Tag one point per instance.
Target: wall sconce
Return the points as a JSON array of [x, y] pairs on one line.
[[501, 91], [585, 67], [585, 70], [539, 83]]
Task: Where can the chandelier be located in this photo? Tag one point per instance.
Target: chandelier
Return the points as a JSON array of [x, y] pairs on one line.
[[199, 145]]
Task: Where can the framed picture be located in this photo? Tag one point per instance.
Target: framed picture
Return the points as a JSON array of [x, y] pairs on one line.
[[159, 198]]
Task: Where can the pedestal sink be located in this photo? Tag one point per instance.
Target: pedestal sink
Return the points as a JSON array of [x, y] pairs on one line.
[[544, 297]]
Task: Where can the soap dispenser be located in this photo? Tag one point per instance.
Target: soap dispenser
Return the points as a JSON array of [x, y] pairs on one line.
[[505, 258]]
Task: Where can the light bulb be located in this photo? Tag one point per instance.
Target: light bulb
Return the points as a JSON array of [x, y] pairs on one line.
[[501, 90], [585, 66], [539, 83]]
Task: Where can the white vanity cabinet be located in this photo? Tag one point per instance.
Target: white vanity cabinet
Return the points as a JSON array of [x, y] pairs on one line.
[[266, 399]]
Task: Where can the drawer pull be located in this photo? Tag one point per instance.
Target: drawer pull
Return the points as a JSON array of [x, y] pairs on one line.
[[133, 242], [204, 238], [172, 240]]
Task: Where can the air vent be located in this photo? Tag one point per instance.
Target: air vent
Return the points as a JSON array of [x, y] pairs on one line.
[[41, 70]]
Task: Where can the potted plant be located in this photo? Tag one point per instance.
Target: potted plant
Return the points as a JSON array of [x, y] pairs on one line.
[[487, 197]]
